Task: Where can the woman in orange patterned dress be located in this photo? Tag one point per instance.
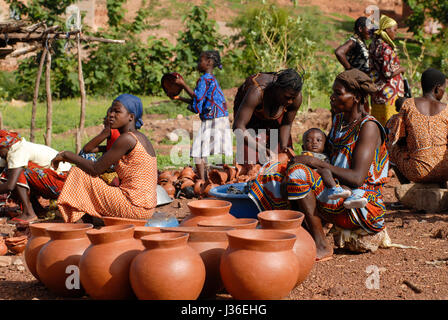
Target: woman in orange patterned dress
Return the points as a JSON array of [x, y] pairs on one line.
[[84, 192], [418, 136]]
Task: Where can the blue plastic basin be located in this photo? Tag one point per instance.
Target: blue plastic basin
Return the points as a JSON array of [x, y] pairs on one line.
[[242, 205]]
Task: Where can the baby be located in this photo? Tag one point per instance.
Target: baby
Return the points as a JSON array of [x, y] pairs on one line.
[[314, 144]]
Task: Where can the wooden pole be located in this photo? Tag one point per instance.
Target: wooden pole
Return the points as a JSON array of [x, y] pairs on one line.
[[36, 94], [47, 135], [83, 98]]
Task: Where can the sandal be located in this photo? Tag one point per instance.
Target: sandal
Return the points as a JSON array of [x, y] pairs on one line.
[[16, 220]]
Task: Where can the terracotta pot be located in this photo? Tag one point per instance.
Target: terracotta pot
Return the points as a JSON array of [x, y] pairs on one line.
[[244, 223], [217, 210], [169, 188], [243, 178], [168, 269], [238, 169], [198, 187], [259, 264], [58, 260], [17, 249], [217, 177], [39, 237], [3, 247], [165, 176], [291, 221], [210, 243], [187, 183], [112, 221], [140, 232], [176, 175], [13, 241], [187, 172], [207, 187], [104, 266], [231, 172]]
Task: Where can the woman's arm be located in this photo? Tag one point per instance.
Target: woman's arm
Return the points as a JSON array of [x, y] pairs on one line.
[[361, 160], [287, 121], [341, 53], [93, 146], [13, 177], [122, 146]]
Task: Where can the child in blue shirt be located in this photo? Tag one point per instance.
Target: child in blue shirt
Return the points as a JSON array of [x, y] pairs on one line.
[[207, 100]]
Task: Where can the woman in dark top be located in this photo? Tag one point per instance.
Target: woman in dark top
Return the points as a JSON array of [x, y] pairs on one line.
[[265, 102]]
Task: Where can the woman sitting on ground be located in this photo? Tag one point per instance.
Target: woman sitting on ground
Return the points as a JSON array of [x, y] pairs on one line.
[[28, 174], [418, 138], [135, 163], [358, 160]]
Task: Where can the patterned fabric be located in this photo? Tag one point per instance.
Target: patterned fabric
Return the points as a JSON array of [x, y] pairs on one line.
[[299, 180], [41, 181], [383, 63], [8, 138], [209, 101], [383, 112], [135, 198], [422, 156], [358, 57], [213, 137]]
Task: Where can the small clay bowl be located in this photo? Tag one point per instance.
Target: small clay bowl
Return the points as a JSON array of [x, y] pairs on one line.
[[169, 86]]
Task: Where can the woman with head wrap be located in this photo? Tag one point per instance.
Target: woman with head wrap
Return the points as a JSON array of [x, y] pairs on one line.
[[28, 174], [358, 160], [418, 135], [264, 109], [135, 163], [385, 70]]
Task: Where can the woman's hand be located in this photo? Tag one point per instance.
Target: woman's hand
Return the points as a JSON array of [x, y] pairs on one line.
[[58, 159], [306, 160]]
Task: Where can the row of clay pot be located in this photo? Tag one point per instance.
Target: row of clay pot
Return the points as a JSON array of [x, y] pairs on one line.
[[173, 181], [116, 262]]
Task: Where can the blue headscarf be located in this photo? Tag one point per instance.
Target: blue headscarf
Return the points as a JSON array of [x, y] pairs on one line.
[[134, 105]]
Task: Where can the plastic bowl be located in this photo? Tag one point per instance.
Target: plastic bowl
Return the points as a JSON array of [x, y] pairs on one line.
[[242, 205]]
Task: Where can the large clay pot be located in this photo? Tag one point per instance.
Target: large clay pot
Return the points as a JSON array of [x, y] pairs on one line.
[[243, 223], [169, 188], [198, 187], [259, 264], [188, 173], [210, 243], [217, 177], [140, 232], [104, 266], [217, 210], [112, 221], [39, 237], [231, 172], [169, 269], [291, 221], [58, 260]]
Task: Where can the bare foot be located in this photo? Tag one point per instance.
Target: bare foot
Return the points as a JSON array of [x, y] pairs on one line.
[[323, 252], [23, 218]]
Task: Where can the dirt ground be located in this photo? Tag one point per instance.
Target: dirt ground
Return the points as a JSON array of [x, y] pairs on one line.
[[390, 274]]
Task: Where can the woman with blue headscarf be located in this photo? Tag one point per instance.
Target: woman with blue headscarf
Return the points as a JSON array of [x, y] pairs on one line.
[[135, 162]]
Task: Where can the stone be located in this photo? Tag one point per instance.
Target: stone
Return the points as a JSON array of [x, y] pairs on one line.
[[425, 197], [5, 261]]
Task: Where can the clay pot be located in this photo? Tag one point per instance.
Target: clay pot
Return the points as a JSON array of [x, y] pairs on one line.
[[165, 176], [58, 260], [104, 266], [210, 243], [186, 183], [176, 175], [207, 187], [3, 247], [259, 264], [217, 177], [216, 210], [112, 221], [187, 172], [17, 249], [198, 187], [243, 178], [140, 232], [168, 269], [291, 221], [16, 244], [231, 172], [39, 237], [169, 188], [244, 223]]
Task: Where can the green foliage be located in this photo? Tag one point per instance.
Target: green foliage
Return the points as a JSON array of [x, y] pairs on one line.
[[200, 34], [423, 9]]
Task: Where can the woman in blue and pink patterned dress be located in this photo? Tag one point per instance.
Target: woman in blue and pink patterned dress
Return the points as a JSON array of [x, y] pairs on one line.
[[358, 160]]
